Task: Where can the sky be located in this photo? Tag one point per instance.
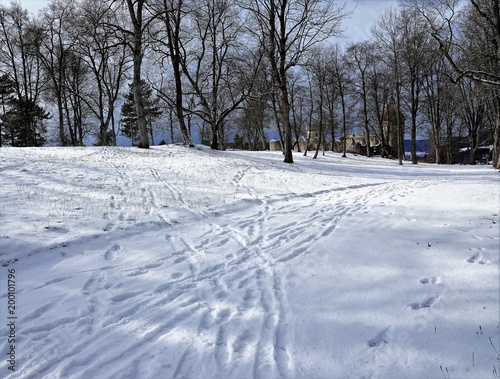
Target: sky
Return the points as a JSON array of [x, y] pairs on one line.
[[365, 15], [32, 5], [357, 27]]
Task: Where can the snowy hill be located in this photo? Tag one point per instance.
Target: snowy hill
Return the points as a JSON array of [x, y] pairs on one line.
[[187, 263]]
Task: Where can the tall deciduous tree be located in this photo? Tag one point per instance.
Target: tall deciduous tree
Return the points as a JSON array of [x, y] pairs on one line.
[[473, 113], [256, 113], [288, 29], [133, 30], [455, 31], [319, 67], [361, 58], [388, 33], [415, 56], [379, 92], [54, 49], [301, 106], [220, 67], [107, 61], [343, 85], [173, 14]]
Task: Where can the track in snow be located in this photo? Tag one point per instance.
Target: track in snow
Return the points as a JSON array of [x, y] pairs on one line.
[[178, 281]]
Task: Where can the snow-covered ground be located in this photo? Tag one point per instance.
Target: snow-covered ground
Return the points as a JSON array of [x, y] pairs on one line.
[[187, 263]]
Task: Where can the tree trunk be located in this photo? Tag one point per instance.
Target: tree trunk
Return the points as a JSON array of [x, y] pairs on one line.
[[287, 127], [414, 139], [138, 99], [437, 143], [215, 138], [365, 116], [62, 135], [277, 118], [320, 137], [173, 30], [137, 53], [344, 126], [400, 128], [186, 136], [473, 140], [449, 147], [367, 126], [496, 137]]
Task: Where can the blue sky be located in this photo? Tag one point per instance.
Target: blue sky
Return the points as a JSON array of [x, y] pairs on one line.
[[357, 27]]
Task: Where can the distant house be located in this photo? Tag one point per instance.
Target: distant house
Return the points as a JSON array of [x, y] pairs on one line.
[[313, 136]]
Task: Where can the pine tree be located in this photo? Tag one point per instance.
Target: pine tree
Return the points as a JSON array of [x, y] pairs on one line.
[[25, 121], [6, 95], [129, 121], [21, 120]]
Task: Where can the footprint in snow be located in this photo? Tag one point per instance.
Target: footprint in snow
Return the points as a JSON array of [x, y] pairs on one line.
[[379, 339], [431, 280], [244, 341], [110, 254], [97, 281], [477, 258], [109, 226], [222, 353], [424, 304]]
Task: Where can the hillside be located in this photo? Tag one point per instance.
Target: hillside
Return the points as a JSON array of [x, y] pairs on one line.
[[190, 263]]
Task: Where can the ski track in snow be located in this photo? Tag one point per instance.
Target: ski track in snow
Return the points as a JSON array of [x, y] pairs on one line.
[[209, 303]]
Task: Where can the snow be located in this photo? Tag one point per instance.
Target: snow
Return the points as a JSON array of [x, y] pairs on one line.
[[189, 263]]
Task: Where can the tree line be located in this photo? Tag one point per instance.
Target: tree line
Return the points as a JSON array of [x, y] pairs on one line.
[[224, 68]]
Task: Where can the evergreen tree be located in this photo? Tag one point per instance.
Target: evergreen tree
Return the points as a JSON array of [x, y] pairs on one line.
[[129, 120], [21, 120], [25, 122], [6, 95]]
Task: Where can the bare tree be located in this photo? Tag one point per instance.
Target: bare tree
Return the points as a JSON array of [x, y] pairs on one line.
[[168, 41], [482, 26], [433, 104], [331, 104], [388, 33], [301, 106], [288, 29], [378, 94], [255, 114], [415, 54], [54, 48], [107, 60], [343, 86], [219, 66], [76, 111], [319, 67], [473, 113], [133, 32], [450, 115], [361, 57]]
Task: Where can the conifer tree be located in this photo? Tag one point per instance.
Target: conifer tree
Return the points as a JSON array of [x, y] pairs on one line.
[[129, 120], [6, 94]]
